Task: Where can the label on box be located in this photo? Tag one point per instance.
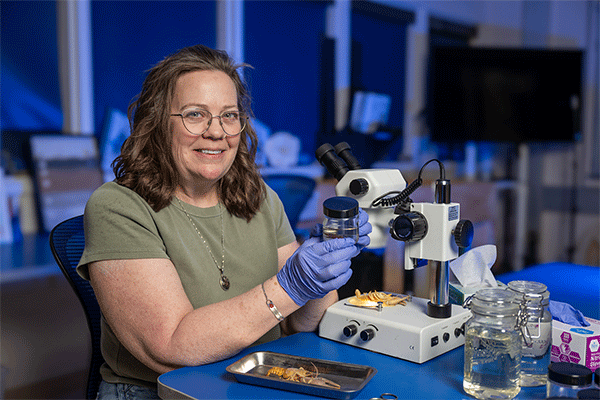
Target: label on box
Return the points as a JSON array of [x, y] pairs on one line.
[[577, 344]]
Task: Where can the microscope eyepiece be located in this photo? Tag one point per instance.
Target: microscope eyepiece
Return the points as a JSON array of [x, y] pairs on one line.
[[342, 149], [327, 157]]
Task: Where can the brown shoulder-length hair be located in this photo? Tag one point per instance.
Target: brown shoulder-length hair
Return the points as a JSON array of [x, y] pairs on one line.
[[146, 164]]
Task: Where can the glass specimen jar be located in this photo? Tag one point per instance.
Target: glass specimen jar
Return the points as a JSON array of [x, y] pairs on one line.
[[341, 218], [566, 379], [493, 345], [535, 355]]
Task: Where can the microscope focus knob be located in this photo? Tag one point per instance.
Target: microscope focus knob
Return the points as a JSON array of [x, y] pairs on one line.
[[463, 233], [367, 334], [359, 186], [350, 330], [409, 227]]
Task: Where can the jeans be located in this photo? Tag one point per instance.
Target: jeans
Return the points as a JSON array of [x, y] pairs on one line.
[[124, 391]]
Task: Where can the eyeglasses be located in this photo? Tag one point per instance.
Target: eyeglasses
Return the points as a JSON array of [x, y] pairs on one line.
[[197, 121]]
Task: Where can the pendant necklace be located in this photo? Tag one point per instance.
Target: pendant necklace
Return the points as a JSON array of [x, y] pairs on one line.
[[223, 280]]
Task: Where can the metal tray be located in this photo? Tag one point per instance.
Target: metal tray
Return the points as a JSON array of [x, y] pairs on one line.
[[253, 369]]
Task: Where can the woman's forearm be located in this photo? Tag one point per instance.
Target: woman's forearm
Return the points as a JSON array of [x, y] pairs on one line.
[[307, 318]]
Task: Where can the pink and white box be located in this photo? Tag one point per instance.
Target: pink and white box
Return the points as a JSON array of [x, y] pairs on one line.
[[576, 344]]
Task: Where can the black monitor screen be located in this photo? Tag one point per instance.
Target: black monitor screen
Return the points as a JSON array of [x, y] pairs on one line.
[[504, 95]]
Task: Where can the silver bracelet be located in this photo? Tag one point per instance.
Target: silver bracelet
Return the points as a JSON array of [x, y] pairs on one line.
[[271, 306]]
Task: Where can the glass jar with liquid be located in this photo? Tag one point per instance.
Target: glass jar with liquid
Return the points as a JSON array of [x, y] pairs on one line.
[[493, 345], [341, 218], [535, 355], [567, 379]]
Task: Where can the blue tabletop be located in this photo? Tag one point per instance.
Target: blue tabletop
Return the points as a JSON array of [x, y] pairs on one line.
[[439, 378]]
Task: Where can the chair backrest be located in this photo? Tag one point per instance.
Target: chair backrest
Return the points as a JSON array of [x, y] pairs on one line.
[[67, 243], [294, 192]]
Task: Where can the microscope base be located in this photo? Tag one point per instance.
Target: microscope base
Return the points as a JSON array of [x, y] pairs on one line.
[[404, 332]]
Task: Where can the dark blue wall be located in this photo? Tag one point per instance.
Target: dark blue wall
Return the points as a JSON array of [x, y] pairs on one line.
[[29, 87], [283, 43], [129, 37]]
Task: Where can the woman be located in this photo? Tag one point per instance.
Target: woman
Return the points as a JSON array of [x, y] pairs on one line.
[[191, 256]]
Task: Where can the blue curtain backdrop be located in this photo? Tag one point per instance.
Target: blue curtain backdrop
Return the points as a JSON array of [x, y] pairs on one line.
[[283, 41], [129, 37], [29, 86]]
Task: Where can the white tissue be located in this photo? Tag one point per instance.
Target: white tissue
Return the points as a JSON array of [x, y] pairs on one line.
[[473, 269]]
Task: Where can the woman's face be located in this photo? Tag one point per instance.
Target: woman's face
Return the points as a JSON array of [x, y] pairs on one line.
[[203, 159]]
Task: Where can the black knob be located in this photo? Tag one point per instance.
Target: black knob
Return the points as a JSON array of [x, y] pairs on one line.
[[359, 186], [367, 334], [409, 227], [459, 331], [463, 233], [350, 330]]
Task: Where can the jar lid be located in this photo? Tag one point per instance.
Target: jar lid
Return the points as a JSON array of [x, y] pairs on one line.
[[569, 374], [495, 302], [589, 394], [340, 207], [536, 293]]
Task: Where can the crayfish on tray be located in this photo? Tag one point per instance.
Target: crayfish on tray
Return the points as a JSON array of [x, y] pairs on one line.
[[303, 376], [372, 298]]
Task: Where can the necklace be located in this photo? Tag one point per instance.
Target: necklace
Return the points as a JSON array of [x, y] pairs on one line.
[[223, 280]]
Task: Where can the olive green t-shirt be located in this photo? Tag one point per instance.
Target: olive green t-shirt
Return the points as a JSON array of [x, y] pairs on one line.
[[119, 224]]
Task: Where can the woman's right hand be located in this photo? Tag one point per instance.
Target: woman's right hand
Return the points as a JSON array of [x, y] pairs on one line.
[[316, 268]]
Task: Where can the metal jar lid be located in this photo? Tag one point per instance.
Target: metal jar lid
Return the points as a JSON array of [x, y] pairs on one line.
[[340, 207], [494, 302], [534, 293], [569, 374]]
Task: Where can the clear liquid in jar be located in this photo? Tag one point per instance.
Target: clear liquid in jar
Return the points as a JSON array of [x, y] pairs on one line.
[[534, 367], [340, 232], [492, 363], [535, 358]]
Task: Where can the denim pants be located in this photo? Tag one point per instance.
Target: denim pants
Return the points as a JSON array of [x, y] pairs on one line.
[[124, 391]]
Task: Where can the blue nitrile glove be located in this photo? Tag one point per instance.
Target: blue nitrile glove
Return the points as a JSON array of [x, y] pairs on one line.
[[317, 268], [564, 312], [364, 228]]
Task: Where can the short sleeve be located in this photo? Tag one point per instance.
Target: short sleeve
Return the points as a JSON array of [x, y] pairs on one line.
[[119, 224]]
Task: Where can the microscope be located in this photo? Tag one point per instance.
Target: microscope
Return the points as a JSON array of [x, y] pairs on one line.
[[433, 235]]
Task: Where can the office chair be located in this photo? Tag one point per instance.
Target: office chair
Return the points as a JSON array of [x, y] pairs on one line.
[[294, 192], [67, 243]]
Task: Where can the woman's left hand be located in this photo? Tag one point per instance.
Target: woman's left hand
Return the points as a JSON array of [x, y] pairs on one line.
[[364, 228]]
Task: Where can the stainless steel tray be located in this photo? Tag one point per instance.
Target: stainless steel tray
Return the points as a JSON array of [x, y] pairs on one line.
[[253, 369]]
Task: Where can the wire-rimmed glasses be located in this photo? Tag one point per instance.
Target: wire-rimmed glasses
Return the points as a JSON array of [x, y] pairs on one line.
[[197, 121]]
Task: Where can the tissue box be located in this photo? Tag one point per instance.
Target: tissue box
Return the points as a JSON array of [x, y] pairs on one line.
[[458, 294], [576, 344]]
